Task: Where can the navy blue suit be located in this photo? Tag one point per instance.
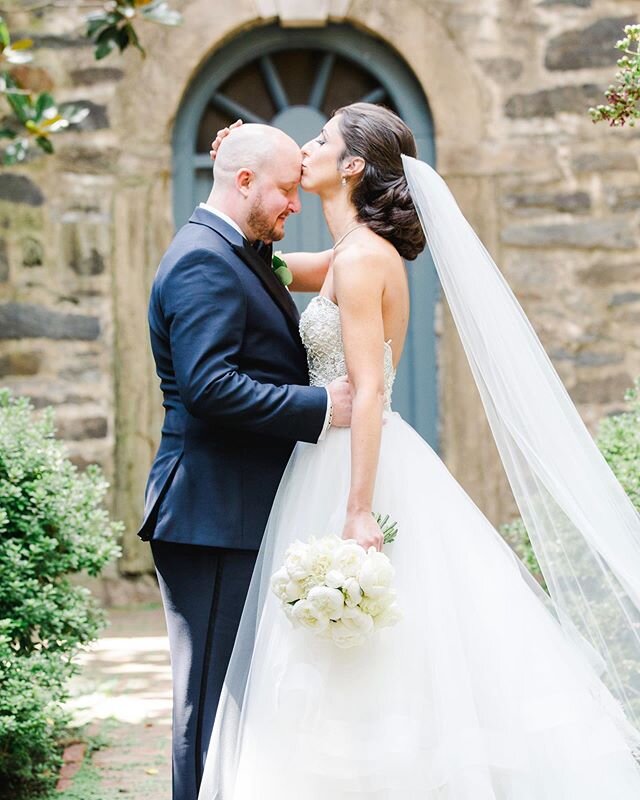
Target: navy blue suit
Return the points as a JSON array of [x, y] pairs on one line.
[[233, 373]]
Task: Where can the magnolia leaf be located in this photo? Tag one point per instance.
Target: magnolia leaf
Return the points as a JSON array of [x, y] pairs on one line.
[[6, 133], [103, 49], [44, 102], [75, 114], [44, 144], [5, 38], [161, 13]]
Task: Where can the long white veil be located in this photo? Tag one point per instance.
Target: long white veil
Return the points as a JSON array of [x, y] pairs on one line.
[[584, 529]]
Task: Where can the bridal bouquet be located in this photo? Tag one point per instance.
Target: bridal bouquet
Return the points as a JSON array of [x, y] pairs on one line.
[[334, 587]]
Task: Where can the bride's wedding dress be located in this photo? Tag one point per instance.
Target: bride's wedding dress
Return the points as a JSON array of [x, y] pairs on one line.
[[476, 694]]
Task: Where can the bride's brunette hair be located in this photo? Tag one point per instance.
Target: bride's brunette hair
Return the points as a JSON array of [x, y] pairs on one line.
[[380, 193]]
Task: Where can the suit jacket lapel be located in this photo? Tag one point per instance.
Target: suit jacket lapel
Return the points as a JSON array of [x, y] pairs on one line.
[[263, 271], [277, 291]]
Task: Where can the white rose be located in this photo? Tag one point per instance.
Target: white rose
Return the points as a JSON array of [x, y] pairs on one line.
[[376, 573], [352, 591], [326, 602], [307, 615], [348, 558], [279, 581], [377, 605], [288, 610], [357, 620], [297, 561], [335, 579]]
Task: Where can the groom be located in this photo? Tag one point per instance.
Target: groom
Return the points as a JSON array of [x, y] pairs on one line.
[[233, 372]]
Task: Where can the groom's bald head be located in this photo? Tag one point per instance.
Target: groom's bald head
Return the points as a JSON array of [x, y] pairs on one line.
[[258, 148], [256, 176]]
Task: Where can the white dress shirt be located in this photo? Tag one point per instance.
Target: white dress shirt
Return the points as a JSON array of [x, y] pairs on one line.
[[235, 226]]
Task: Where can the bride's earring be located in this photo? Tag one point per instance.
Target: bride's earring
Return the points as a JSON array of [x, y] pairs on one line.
[[344, 181]]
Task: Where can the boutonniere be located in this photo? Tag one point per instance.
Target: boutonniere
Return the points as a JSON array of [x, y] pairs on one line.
[[280, 268]]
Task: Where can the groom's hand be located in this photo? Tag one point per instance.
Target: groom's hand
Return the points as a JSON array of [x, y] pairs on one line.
[[340, 393]]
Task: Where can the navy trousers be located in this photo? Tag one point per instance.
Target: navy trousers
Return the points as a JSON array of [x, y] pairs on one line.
[[203, 593]]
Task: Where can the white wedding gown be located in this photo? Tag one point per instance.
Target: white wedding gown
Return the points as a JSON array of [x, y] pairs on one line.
[[476, 694]]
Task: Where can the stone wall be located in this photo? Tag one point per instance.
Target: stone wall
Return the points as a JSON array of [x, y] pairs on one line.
[[555, 198]]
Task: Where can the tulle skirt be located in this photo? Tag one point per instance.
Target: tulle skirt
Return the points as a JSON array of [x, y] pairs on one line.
[[476, 694]]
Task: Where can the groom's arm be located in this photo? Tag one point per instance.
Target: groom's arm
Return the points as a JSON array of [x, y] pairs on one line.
[[205, 309]]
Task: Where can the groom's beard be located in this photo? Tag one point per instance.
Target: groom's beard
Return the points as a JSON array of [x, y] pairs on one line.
[[262, 228]]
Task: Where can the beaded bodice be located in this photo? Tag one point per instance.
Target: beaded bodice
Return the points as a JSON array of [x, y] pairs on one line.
[[321, 334]]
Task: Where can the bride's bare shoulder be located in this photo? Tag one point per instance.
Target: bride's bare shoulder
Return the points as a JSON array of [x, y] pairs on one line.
[[366, 254]]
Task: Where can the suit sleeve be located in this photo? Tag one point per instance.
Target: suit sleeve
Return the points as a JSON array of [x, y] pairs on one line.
[[205, 309]]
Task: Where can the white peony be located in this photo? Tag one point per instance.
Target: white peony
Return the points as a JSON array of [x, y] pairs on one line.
[[306, 614], [390, 616], [346, 637], [353, 592], [298, 561], [354, 628], [348, 558], [327, 602], [376, 573], [335, 579], [294, 590], [279, 581]]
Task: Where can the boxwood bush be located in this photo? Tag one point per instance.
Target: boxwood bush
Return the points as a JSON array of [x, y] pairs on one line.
[[52, 524]]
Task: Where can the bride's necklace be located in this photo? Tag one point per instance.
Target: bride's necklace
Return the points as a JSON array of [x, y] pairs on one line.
[[347, 232]]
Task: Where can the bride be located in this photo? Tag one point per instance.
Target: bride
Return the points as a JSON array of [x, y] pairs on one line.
[[487, 689]]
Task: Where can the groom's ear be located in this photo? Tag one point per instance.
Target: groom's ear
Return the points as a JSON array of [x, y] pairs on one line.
[[244, 181]]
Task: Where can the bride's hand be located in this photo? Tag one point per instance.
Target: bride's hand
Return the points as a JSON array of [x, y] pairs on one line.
[[362, 527], [220, 135]]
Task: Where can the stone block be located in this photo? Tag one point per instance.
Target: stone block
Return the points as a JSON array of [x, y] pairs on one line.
[[604, 162], [571, 202], [25, 363], [98, 118], [4, 262], [89, 76], [24, 321], [624, 198], [608, 389], [78, 428], [32, 253], [607, 234], [81, 247], [549, 102], [586, 48], [623, 298], [605, 274], [86, 160], [51, 42], [19, 189], [578, 3], [587, 359], [502, 70]]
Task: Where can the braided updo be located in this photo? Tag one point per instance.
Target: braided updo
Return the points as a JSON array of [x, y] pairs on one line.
[[381, 194]]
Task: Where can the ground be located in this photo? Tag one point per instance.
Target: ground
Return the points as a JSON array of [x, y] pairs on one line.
[[121, 703]]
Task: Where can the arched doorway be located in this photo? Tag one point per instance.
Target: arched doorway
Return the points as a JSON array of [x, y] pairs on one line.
[[294, 78]]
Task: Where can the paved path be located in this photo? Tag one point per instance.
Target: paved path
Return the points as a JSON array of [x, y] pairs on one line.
[[123, 695]]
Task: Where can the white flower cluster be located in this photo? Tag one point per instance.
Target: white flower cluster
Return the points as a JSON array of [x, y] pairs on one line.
[[335, 588]]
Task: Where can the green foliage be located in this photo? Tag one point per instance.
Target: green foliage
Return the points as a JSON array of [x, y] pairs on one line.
[[52, 525], [619, 442], [623, 98], [113, 27]]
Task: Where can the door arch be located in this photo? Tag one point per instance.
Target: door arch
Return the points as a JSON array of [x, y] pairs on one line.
[[294, 78]]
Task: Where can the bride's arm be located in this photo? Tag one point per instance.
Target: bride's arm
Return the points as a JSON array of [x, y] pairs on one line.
[[308, 269], [359, 284]]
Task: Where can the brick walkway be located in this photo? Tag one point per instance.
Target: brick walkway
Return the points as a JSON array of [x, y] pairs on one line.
[[123, 696]]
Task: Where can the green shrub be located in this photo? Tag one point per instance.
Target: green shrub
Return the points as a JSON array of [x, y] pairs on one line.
[[52, 524]]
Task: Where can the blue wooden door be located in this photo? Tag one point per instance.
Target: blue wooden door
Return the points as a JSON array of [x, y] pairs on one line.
[[293, 79]]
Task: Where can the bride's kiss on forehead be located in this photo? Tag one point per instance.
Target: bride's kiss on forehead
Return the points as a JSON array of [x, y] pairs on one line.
[[282, 428]]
